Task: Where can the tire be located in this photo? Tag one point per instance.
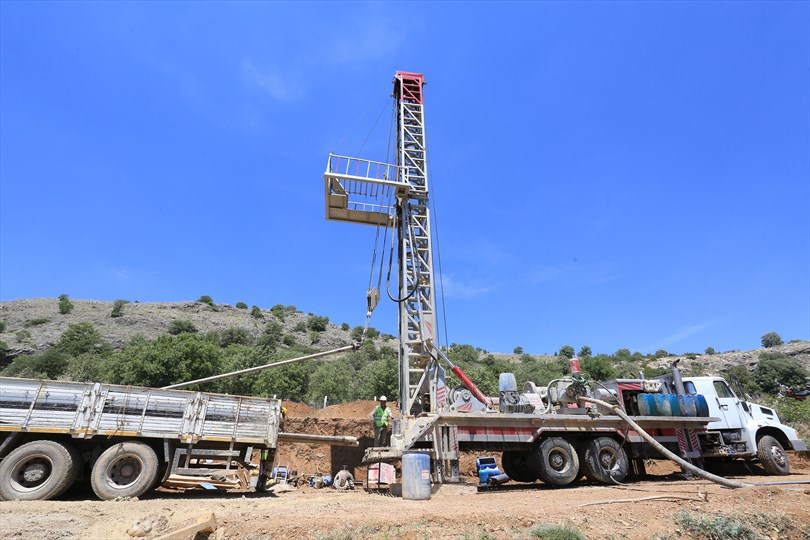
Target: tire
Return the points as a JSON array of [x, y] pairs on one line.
[[556, 461], [772, 456], [38, 470], [127, 469], [517, 466], [605, 461]]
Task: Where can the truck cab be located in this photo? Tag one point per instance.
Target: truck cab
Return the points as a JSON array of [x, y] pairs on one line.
[[744, 430]]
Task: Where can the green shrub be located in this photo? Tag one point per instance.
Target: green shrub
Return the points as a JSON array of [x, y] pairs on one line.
[[36, 322], [65, 305], [241, 305], [345, 327], [661, 353], [317, 324], [771, 339], [599, 367], [271, 336], [555, 532], [774, 368], [48, 365], [300, 327], [167, 360], [314, 337], [372, 333], [3, 350], [80, 338], [3, 326], [181, 326], [585, 351], [715, 527], [289, 340], [278, 311], [710, 350], [566, 351], [118, 308], [234, 336], [256, 313], [22, 334], [205, 299]]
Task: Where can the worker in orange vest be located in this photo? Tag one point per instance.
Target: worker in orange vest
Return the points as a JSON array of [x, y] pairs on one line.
[[381, 420]]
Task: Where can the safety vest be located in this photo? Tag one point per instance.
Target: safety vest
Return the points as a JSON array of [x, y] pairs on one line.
[[381, 416]]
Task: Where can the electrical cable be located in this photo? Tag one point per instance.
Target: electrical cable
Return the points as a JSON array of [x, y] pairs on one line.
[[438, 251]]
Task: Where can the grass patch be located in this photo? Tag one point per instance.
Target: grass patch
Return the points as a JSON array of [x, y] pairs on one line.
[[36, 322], [555, 532], [759, 526]]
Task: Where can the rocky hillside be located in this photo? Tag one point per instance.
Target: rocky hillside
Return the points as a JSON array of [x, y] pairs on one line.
[[35, 324]]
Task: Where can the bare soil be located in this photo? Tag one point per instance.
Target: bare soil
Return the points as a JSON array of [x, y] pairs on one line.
[[511, 511]]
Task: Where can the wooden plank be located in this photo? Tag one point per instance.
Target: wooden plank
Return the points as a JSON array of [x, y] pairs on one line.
[[206, 523]]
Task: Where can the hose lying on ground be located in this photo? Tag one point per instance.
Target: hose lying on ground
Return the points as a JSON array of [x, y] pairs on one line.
[[658, 446]]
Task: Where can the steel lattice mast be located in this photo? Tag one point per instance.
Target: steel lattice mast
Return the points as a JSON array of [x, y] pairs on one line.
[[417, 315], [381, 194]]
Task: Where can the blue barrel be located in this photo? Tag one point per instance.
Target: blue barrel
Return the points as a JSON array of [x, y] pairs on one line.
[[702, 405], [663, 405], [673, 404], [646, 405], [687, 405], [416, 477]]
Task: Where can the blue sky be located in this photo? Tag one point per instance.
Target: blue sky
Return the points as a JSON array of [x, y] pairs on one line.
[[606, 174]]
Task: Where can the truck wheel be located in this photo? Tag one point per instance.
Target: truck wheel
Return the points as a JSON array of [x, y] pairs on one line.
[[605, 461], [126, 469], [557, 461], [38, 470], [772, 456], [517, 466]]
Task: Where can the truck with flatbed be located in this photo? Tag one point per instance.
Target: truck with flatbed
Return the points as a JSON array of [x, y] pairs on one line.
[[126, 440]]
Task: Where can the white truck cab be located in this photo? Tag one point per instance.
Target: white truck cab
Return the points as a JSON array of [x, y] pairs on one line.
[[745, 430]]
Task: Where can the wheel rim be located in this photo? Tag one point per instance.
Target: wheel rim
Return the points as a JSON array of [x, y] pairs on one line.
[[778, 456], [124, 471], [558, 460], [606, 460], [31, 473]]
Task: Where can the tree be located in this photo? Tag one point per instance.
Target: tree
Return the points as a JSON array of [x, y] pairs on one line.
[[518, 350], [710, 350], [317, 324], [182, 326], [241, 305], [48, 365], [65, 305], [771, 339], [234, 335], [278, 311], [234, 358], [623, 354], [379, 378], [598, 368], [661, 353], [205, 299], [566, 351], [585, 351], [118, 308], [80, 338], [345, 327], [271, 336], [776, 368], [167, 360], [256, 313]]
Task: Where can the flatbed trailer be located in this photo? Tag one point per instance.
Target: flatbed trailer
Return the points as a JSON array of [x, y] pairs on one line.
[[129, 438]]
